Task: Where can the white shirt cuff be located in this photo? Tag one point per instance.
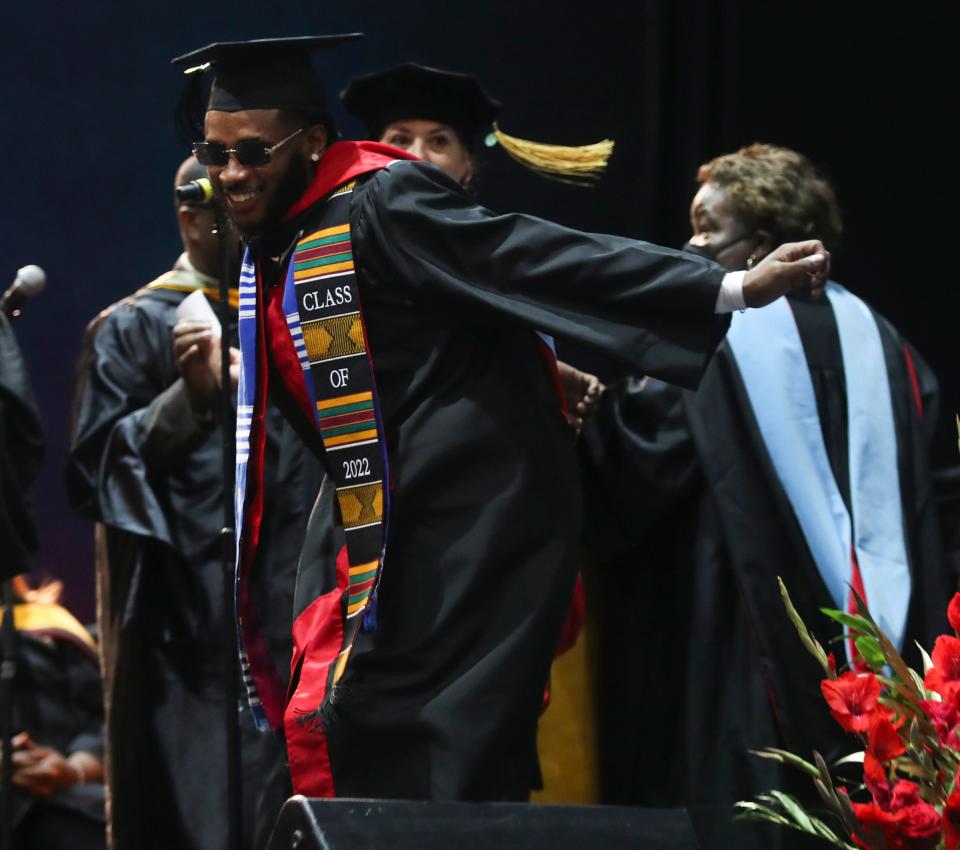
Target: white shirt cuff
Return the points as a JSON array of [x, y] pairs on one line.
[[731, 293]]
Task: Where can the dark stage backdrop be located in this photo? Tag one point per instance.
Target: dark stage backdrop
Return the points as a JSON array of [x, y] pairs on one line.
[[89, 150]]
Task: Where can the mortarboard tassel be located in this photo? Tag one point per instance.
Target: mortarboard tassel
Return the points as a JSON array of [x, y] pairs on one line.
[[583, 164]]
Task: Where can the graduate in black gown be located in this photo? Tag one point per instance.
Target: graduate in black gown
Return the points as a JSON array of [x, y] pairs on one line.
[[146, 463], [424, 680], [58, 797], [694, 506]]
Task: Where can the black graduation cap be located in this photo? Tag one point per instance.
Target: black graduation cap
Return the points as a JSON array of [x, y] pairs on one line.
[[412, 91], [265, 73]]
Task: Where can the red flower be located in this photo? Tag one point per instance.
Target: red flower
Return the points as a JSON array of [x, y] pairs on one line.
[[951, 821], [853, 699], [945, 717], [883, 740], [875, 778], [904, 794], [832, 662], [944, 676], [918, 826], [876, 826], [953, 612], [909, 823]]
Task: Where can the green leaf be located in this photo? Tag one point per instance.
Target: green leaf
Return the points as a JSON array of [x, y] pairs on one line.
[[828, 834], [807, 639], [847, 809], [917, 681], [822, 769], [755, 812], [927, 660], [916, 737], [794, 809], [794, 818], [786, 757], [853, 621], [869, 648], [910, 682], [827, 796], [853, 758]]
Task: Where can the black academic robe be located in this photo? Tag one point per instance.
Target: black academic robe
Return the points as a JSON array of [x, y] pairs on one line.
[[57, 701], [21, 452], [441, 700], [151, 475], [700, 663]]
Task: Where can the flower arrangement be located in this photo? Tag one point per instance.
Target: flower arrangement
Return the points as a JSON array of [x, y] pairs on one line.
[[910, 729]]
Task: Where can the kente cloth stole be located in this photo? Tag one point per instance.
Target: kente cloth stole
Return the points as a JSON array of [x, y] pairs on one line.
[[770, 358], [321, 303], [183, 280]]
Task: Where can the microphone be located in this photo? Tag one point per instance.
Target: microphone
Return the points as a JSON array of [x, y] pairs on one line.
[[29, 281], [195, 192]]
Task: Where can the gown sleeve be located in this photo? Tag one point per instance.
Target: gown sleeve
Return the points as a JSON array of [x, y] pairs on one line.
[[638, 460], [651, 308], [21, 452], [127, 420]]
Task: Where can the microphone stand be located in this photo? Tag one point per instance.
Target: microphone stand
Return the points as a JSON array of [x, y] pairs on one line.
[[231, 667]]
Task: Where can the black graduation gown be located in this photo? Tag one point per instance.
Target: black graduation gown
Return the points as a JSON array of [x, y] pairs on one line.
[[700, 663], [152, 477], [21, 452], [441, 701], [57, 700]]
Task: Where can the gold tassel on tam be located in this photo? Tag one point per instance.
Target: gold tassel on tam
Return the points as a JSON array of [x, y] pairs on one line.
[[583, 164]]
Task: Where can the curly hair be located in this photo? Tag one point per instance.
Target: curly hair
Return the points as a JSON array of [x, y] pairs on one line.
[[777, 190]]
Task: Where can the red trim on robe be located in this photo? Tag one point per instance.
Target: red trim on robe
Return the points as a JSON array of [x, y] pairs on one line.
[[550, 359], [341, 162], [914, 382], [317, 638], [570, 632], [856, 584]]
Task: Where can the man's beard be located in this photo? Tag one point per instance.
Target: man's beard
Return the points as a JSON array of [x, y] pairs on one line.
[[291, 187]]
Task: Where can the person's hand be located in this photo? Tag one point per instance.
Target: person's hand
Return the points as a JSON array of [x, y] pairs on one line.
[[198, 358], [794, 265], [234, 367], [581, 391], [41, 771]]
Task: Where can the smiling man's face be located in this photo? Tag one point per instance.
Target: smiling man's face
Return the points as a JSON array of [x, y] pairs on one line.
[[257, 197]]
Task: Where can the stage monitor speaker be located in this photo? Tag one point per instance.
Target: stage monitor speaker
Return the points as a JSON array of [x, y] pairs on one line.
[[310, 824]]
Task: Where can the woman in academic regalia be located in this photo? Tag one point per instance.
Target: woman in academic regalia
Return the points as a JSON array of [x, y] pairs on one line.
[[446, 118], [804, 454]]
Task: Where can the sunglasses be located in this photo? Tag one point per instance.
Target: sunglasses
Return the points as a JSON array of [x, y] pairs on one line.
[[249, 152]]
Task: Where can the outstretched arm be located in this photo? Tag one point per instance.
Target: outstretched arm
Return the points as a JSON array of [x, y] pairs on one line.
[[650, 307]]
